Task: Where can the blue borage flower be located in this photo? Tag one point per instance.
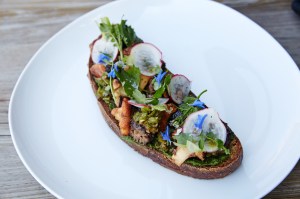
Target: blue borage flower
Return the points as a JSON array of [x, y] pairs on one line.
[[103, 59], [166, 135], [200, 120], [198, 103], [160, 76], [113, 70]]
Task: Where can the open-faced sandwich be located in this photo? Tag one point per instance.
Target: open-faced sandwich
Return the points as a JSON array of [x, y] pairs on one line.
[[154, 111]]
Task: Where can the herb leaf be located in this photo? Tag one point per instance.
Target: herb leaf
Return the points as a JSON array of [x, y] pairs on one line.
[[130, 80], [192, 147], [201, 141], [162, 89], [182, 138], [121, 34], [128, 34]]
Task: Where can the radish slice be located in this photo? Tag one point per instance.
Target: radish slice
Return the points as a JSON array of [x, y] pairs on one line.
[[212, 123], [103, 46], [134, 103], [147, 58], [179, 88]]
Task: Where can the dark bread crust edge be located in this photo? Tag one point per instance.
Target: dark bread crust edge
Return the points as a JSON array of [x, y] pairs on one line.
[[203, 172]]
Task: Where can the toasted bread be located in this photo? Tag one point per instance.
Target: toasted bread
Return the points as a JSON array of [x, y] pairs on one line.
[[202, 172]]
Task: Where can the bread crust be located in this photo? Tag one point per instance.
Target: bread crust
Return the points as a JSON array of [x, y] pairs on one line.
[[201, 172]]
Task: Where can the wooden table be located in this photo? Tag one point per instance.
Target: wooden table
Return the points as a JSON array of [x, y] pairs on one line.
[[26, 25]]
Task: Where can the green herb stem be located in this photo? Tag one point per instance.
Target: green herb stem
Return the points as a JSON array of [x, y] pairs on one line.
[[112, 91], [201, 93]]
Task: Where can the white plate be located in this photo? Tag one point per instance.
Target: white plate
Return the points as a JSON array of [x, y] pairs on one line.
[[64, 142]]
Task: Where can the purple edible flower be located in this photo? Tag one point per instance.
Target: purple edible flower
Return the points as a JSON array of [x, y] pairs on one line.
[[160, 76], [198, 103], [166, 135], [103, 59], [200, 120]]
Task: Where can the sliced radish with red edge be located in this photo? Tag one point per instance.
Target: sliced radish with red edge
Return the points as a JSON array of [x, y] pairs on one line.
[[147, 58], [179, 88], [134, 103]]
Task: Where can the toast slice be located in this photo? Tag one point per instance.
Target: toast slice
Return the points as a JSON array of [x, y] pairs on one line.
[[192, 168]]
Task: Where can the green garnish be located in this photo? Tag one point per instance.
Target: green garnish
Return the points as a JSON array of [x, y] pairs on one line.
[[163, 87], [148, 118], [130, 80], [186, 108], [196, 144], [120, 34]]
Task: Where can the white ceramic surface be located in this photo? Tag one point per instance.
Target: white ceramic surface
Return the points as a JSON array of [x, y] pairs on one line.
[[252, 82]]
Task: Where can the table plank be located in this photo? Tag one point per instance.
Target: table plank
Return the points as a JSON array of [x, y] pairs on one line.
[[15, 180], [26, 25]]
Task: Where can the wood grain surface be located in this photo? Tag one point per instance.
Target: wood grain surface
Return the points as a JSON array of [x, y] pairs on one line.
[[26, 24]]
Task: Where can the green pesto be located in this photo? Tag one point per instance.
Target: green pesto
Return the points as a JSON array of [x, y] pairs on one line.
[[208, 161], [213, 160]]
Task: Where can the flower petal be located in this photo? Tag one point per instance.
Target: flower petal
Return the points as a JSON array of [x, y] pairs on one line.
[[160, 76], [200, 120], [166, 135], [112, 73], [198, 103], [103, 59]]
